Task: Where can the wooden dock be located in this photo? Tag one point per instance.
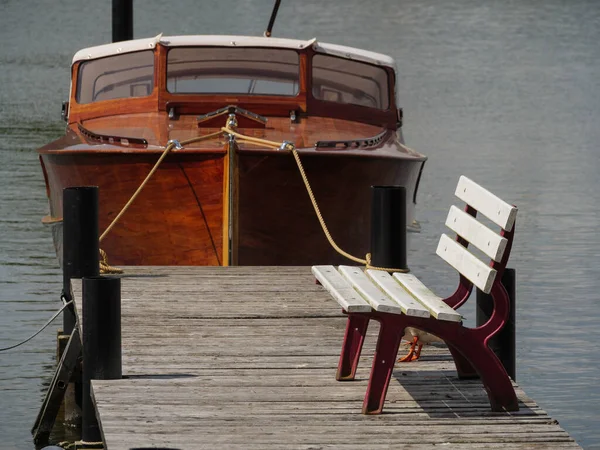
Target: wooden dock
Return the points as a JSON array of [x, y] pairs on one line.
[[245, 357]]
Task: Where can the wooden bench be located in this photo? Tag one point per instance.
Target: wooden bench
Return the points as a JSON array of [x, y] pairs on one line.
[[400, 301]]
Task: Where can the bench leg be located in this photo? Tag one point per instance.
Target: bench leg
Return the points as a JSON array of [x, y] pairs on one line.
[[390, 335], [493, 376], [356, 329], [497, 382], [464, 369]]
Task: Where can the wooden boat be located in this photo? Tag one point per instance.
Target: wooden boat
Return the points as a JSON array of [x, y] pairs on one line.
[[225, 201]]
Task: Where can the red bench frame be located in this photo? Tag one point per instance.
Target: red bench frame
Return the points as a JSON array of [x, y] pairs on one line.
[[469, 346]]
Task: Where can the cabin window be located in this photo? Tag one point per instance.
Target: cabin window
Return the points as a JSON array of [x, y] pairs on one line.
[[224, 70], [352, 82], [120, 76]]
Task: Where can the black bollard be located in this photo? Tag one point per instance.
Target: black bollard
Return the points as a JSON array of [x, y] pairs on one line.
[[122, 20], [503, 344], [101, 343], [80, 242], [388, 227]]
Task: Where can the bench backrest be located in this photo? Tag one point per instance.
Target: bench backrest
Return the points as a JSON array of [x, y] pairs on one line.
[[470, 230]]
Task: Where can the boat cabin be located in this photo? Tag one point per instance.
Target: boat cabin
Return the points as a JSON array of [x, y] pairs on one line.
[[200, 74]]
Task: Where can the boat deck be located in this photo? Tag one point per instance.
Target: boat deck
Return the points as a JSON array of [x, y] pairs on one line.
[[245, 357]]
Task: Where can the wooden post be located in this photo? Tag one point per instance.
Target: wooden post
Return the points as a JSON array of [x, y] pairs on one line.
[[388, 227], [122, 20], [503, 344], [101, 323]]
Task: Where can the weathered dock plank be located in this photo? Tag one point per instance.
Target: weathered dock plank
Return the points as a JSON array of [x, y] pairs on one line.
[[245, 357]]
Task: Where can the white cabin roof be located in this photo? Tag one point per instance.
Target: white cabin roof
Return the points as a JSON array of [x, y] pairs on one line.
[[116, 48]]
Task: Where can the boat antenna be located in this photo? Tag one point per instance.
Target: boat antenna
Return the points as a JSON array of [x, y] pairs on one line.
[[272, 19]]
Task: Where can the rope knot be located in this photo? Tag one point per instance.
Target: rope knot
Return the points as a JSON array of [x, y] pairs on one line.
[[105, 267], [385, 269]]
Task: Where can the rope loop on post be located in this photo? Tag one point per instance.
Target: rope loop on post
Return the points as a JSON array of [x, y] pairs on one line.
[[105, 267]]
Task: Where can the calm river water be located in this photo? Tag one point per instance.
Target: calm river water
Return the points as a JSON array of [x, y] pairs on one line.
[[507, 93]]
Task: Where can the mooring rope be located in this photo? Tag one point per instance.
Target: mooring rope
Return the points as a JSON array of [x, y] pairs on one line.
[[291, 147], [252, 141], [318, 212], [367, 260], [104, 266], [170, 145], [40, 330]]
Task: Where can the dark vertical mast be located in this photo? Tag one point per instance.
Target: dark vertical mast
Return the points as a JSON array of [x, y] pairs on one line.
[[272, 19], [122, 20]]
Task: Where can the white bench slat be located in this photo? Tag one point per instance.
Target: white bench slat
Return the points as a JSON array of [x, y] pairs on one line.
[[486, 240], [377, 299], [407, 302], [466, 263], [493, 207], [340, 289], [438, 308]]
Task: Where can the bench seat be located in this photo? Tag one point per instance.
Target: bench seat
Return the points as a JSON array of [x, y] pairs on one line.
[[376, 290]]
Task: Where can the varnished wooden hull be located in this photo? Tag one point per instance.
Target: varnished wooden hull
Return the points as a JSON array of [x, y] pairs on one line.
[[179, 217]]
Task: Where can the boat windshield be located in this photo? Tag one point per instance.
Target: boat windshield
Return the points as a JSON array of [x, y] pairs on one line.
[[211, 70], [119, 76], [341, 80], [238, 70]]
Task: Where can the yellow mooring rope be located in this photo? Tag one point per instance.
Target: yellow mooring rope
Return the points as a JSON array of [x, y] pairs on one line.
[[106, 268], [168, 148], [288, 146]]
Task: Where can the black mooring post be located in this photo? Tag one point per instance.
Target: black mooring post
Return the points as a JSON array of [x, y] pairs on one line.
[[122, 20], [101, 343], [80, 242], [388, 227], [503, 344]]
